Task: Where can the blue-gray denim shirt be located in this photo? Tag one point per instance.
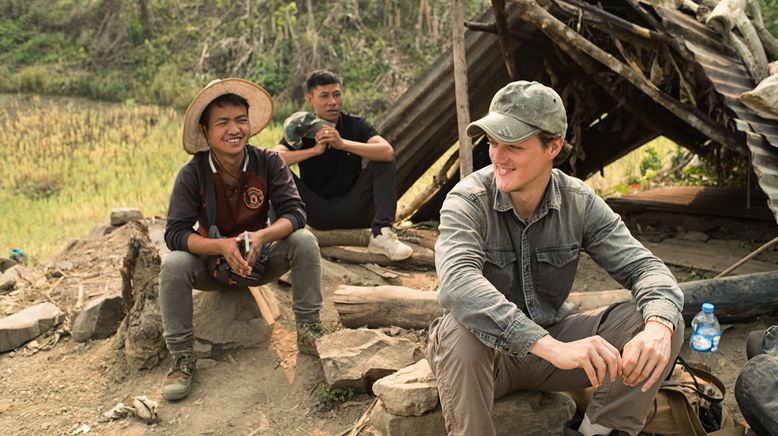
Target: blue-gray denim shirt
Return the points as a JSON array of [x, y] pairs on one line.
[[505, 279]]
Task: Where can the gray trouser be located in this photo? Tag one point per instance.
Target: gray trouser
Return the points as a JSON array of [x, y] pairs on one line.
[[472, 375], [182, 271]]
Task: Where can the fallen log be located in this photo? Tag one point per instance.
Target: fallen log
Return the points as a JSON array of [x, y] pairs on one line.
[[382, 306], [348, 237], [737, 298], [422, 257]]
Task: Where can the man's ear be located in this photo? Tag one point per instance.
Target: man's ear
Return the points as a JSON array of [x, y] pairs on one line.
[[308, 97], [556, 146], [203, 130]]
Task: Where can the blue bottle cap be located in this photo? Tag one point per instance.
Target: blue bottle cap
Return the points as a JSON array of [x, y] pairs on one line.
[[707, 308]]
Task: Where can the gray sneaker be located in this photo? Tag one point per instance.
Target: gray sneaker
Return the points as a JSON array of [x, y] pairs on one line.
[[178, 382], [307, 334]]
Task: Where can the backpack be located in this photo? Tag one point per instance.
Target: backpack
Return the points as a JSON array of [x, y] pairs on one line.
[[688, 403], [218, 267]]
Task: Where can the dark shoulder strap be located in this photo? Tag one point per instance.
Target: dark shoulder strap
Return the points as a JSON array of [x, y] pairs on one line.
[[206, 177]]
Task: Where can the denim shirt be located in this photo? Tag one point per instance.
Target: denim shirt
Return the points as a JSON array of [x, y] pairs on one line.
[[505, 278]]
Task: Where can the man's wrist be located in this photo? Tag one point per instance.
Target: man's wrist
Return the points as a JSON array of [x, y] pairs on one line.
[[662, 321]]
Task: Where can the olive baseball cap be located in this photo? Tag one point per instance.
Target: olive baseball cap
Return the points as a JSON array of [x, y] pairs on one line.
[[301, 125], [519, 110]]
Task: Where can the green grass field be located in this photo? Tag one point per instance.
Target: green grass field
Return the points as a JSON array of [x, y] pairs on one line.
[[68, 162]]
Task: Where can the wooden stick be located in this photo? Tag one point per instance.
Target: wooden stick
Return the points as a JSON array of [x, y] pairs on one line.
[[753, 254], [360, 424], [461, 89], [438, 181], [505, 43], [264, 309]]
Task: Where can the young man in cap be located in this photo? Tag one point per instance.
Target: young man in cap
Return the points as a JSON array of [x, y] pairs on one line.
[[339, 191], [510, 237], [243, 181]]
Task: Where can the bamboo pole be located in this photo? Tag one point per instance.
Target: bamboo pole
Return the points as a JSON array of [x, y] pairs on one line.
[[461, 89]]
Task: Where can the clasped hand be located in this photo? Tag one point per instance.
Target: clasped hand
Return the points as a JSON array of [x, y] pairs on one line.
[[644, 358], [231, 250]]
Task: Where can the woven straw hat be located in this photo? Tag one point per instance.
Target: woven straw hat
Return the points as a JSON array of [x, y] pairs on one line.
[[260, 109]]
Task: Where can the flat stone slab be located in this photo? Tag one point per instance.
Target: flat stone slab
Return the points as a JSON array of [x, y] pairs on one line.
[[99, 319], [520, 413], [355, 358], [28, 324], [122, 215], [411, 391]]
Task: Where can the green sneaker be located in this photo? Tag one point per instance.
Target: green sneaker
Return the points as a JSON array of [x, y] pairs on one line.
[[178, 382], [307, 334]]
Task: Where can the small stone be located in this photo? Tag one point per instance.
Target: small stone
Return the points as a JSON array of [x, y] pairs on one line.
[[122, 215], [411, 391], [99, 319], [206, 363], [11, 276], [202, 350], [28, 324], [45, 426]]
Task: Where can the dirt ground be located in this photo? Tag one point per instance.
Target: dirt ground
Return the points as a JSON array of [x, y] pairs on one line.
[[55, 387]]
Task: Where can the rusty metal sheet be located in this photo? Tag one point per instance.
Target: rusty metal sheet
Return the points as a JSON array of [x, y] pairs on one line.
[[730, 78]]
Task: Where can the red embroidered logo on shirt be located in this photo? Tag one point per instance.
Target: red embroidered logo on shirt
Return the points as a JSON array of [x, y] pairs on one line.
[[253, 198]]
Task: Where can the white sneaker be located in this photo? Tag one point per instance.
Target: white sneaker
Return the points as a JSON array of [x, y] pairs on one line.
[[389, 245]]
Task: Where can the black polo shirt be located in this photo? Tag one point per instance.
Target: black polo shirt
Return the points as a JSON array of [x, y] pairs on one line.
[[334, 172]]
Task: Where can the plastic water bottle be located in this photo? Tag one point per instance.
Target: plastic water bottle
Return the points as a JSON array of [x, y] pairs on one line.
[[704, 342]]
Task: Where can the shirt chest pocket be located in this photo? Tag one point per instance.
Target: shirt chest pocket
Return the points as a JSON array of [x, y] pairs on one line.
[[556, 267], [500, 268]]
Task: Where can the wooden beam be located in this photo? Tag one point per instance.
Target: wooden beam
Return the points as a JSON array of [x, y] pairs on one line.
[[505, 42], [347, 237], [461, 88], [570, 41], [382, 306]]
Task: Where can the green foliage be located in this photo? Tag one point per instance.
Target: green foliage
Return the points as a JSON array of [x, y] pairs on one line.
[[650, 161], [330, 397], [117, 50], [770, 15], [694, 276]]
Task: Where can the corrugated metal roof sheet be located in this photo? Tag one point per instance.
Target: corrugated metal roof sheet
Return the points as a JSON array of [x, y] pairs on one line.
[[730, 78]]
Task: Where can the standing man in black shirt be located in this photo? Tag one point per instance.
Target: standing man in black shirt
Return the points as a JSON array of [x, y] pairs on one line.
[[347, 173]]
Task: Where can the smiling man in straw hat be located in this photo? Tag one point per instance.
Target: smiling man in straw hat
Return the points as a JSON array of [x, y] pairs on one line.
[[242, 182], [347, 172], [507, 254]]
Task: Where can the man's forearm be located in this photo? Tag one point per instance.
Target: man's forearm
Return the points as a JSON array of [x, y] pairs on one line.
[[379, 151], [292, 157]]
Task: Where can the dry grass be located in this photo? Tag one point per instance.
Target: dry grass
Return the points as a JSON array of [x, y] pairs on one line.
[[68, 162]]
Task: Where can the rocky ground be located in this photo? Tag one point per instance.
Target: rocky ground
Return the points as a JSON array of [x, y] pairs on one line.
[[57, 386]]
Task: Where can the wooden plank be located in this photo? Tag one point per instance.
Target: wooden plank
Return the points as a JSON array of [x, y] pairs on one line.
[[701, 256]]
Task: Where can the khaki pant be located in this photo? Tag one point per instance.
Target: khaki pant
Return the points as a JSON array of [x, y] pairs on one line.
[[472, 375]]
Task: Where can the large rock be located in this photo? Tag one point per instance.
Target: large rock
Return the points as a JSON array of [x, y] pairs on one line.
[[411, 391], [356, 358], [12, 275], [28, 324], [122, 215], [524, 413], [228, 319], [99, 319]]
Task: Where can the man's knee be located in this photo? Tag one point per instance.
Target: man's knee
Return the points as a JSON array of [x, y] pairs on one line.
[[179, 264], [303, 243], [453, 343]]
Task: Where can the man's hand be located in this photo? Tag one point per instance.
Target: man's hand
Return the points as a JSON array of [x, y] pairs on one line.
[[229, 249], [331, 137], [594, 355], [319, 148], [255, 247], [647, 355]]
